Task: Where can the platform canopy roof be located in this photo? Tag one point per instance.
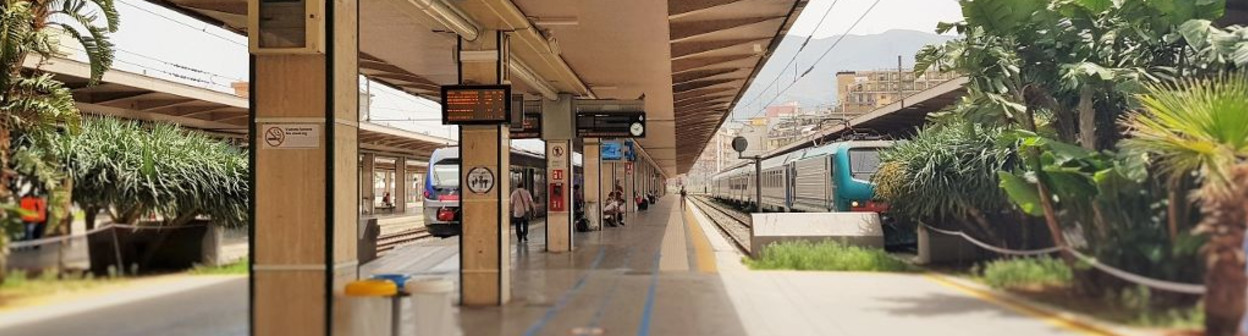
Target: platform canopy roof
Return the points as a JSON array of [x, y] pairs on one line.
[[135, 96], [691, 60]]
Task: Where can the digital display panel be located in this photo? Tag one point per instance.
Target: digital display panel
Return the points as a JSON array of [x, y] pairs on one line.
[[476, 104], [612, 150], [527, 122], [611, 124]]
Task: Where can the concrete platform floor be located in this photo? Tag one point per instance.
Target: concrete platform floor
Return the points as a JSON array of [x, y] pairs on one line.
[[668, 272]]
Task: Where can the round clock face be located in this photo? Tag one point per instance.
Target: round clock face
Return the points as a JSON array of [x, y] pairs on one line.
[[636, 129]]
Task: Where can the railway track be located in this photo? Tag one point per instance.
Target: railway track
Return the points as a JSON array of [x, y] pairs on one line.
[[732, 223], [391, 241]]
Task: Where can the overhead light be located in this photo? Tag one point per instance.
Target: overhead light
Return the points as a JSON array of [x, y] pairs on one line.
[[552, 21], [450, 17], [758, 48], [525, 73]]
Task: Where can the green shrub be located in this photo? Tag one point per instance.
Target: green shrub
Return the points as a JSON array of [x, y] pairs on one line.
[[237, 267], [826, 256], [1026, 272]]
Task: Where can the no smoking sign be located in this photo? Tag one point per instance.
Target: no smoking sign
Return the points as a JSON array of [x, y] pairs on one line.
[[290, 136]]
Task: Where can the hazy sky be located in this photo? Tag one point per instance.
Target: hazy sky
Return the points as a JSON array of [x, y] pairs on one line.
[[921, 15], [166, 44]]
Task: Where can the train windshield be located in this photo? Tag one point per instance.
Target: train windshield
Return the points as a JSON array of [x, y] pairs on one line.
[[446, 174], [864, 162]]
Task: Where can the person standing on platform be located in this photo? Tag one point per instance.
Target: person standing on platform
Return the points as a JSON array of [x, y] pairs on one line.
[[36, 214], [521, 209]]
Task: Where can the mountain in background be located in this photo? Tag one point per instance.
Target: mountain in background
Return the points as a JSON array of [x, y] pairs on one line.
[[855, 52]]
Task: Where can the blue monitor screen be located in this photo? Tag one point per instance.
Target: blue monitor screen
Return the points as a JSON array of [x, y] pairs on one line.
[[630, 154], [612, 150]]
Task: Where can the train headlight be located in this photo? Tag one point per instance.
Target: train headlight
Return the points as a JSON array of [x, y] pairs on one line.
[[854, 204]]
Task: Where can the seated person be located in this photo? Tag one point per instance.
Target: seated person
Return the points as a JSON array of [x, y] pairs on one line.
[[611, 211]]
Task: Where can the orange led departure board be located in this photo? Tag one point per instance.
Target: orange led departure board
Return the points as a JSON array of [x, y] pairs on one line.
[[476, 104]]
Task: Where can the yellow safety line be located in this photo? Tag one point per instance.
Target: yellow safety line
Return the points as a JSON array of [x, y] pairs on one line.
[[1022, 308], [701, 245]]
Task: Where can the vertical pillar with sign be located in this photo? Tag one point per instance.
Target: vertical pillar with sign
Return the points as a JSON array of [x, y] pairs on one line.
[[481, 106], [368, 172], [556, 129], [305, 166], [591, 159], [400, 186]]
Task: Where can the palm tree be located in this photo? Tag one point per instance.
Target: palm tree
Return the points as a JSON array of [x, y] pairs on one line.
[[32, 102], [1200, 125]]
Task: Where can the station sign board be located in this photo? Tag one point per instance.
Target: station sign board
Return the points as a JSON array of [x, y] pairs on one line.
[[526, 119], [620, 124], [476, 104]]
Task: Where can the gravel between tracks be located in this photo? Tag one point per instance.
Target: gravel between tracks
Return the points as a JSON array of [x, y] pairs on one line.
[[733, 224]]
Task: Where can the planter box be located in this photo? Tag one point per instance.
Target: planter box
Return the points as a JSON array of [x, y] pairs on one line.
[[182, 248]]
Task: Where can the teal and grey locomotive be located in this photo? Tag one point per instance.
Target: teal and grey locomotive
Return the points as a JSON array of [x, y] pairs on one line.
[[830, 178]]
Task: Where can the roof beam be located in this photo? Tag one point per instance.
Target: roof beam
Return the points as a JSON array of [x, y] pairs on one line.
[[109, 98], [692, 63], [681, 31], [700, 92], [164, 103], [684, 7], [682, 50], [703, 84], [700, 74], [702, 98]]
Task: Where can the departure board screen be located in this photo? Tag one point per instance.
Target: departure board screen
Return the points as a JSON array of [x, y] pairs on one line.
[[476, 104], [611, 124]]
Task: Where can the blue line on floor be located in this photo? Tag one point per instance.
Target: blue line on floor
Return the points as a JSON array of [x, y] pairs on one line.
[[644, 328], [602, 307], [567, 296]]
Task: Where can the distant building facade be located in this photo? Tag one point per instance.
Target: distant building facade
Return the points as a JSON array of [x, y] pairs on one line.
[[859, 92]]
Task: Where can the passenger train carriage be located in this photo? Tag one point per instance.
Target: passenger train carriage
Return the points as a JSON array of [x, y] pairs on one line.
[[441, 194], [832, 177]]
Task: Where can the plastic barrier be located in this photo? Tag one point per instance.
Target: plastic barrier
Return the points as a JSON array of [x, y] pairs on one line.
[[367, 297], [433, 306]]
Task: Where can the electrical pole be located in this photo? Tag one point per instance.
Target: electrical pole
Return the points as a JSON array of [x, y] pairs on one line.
[[901, 95]]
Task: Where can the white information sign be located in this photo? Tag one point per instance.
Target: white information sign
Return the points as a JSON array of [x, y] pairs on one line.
[[290, 136], [480, 180]]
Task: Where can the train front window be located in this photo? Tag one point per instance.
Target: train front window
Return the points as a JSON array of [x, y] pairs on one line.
[[446, 174], [864, 162]]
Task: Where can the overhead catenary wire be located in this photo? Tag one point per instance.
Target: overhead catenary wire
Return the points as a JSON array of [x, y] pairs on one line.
[[182, 23], [146, 68], [806, 41], [820, 59]]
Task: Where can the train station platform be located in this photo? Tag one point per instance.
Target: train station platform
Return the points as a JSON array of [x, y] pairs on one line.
[[669, 272]]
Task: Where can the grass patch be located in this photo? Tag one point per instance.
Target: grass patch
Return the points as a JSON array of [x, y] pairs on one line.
[[826, 256], [1025, 273], [18, 287], [1049, 280], [237, 267]]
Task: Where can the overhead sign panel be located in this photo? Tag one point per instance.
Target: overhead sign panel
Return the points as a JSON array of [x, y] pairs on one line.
[[611, 124], [526, 119], [476, 104], [610, 118]]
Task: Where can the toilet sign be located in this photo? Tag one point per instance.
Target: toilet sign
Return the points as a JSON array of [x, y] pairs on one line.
[[290, 136], [480, 180]]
